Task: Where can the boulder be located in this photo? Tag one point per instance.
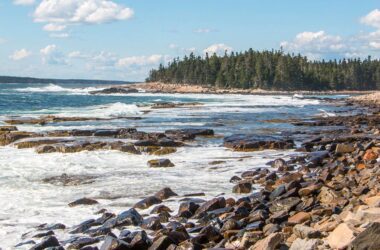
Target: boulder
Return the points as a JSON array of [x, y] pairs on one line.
[[162, 243], [126, 218], [242, 188], [368, 239], [160, 163], [165, 193], [210, 205], [341, 237], [147, 202], [82, 242], [111, 243], [47, 242], [247, 143], [83, 201], [305, 244]]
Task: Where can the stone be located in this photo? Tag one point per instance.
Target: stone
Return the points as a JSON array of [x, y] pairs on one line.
[[140, 240], [242, 188], [370, 155], [343, 148], [341, 237], [210, 205], [247, 143], [165, 193], [159, 209], [304, 244], [46, 242], [160, 163], [152, 223], [279, 163], [271, 242], [83, 201], [286, 204], [188, 209], [164, 151], [368, 239], [327, 195], [373, 201], [161, 243], [299, 218], [82, 242], [147, 202], [111, 243], [305, 232], [126, 218], [114, 90]]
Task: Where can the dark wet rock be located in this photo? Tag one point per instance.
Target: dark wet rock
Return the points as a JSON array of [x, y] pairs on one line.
[[84, 226], [126, 218], [49, 227], [210, 205], [10, 137], [257, 225], [280, 190], [159, 209], [194, 194], [105, 216], [147, 202], [230, 224], [161, 243], [7, 128], [212, 233], [69, 180], [187, 209], [164, 151], [165, 194], [111, 243], [217, 162], [83, 201], [152, 223], [40, 142], [46, 149], [242, 188], [114, 90], [140, 240], [49, 241], [158, 143], [100, 231], [256, 142], [279, 163], [235, 179], [160, 163], [29, 242], [317, 157], [279, 217], [165, 105], [82, 242], [190, 133], [44, 234]]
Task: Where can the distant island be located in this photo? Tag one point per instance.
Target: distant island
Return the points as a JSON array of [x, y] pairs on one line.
[[13, 79], [270, 70]]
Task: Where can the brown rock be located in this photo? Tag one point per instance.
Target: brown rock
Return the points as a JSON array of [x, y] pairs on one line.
[[160, 163], [299, 218], [83, 201], [242, 188], [341, 237], [271, 242], [370, 155]]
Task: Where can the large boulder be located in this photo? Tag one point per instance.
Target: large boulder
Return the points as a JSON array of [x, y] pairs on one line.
[[248, 143]]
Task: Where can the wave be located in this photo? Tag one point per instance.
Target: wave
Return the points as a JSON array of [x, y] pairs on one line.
[[51, 88]]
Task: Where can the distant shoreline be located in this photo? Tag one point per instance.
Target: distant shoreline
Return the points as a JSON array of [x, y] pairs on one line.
[[32, 80], [170, 88]]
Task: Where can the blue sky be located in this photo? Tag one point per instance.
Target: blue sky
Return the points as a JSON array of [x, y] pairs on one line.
[[123, 39]]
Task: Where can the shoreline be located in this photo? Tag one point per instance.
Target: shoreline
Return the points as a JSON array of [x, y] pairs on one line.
[[157, 87], [301, 203]]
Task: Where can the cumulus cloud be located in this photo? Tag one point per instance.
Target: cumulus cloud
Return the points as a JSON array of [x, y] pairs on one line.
[[81, 11], [219, 49], [20, 54], [51, 55], [23, 2], [140, 60], [372, 19]]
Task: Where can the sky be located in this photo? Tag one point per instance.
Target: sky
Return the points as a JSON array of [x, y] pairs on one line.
[[124, 39]]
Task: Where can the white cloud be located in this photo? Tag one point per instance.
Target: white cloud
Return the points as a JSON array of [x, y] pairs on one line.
[[23, 2], [81, 11], [51, 55], [375, 45], [54, 27], [173, 46], [316, 44], [60, 35], [20, 54], [372, 19], [219, 49], [140, 60]]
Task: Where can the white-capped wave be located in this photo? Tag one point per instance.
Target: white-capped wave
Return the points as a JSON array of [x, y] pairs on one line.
[[51, 88]]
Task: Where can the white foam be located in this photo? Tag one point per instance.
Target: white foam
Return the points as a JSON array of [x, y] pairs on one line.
[[51, 88]]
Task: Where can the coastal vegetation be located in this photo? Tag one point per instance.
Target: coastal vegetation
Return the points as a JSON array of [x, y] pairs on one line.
[[270, 70]]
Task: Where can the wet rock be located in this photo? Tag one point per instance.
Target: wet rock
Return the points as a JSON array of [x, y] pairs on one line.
[[152, 223], [83, 227], [40, 235], [82, 242], [38, 142], [256, 143], [160, 163], [279, 163], [189, 133], [10, 137], [29, 242], [242, 188], [187, 209], [341, 237], [83, 201], [69, 180], [47, 242], [126, 218], [164, 151], [165, 193], [45, 149], [271, 242], [8, 128], [140, 241], [211, 233], [210, 205], [114, 90], [161, 243], [147, 202], [235, 179], [165, 105], [368, 239], [111, 243], [280, 190], [159, 209]]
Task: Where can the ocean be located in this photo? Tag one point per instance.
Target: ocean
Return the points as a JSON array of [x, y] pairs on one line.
[[120, 179]]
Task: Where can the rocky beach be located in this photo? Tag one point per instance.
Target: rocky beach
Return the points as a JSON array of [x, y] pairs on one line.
[[313, 184]]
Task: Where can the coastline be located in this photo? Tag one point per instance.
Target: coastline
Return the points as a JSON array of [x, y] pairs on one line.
[[300, 202], [169, 88]]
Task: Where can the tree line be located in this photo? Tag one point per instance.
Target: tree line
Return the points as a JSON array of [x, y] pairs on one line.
[[270, 70]]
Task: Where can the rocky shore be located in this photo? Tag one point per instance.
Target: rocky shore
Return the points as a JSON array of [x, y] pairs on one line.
[[327, 197]]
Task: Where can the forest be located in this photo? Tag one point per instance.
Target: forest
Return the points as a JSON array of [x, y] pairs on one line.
[[270, 70]]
